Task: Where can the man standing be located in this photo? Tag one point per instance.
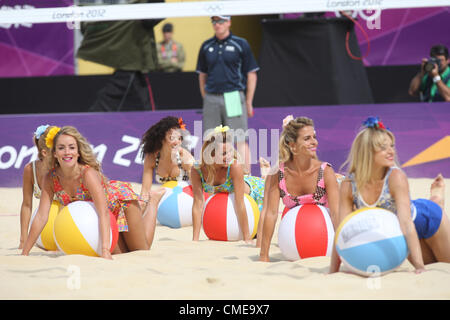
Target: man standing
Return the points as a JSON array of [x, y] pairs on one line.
[[171, 54], [227, 79]]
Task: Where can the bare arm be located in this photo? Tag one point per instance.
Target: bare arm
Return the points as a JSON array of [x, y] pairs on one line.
[[345, 208], [332, 189], [27, 203], [270, 218], [237, 177], [202, 82], [197, 206], [41, 215], [92, 180], [399, 188], [252, 78], [147, 176], [414, 86], [442, 87]]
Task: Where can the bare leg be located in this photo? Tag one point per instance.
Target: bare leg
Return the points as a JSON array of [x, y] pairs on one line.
[[427, 254], [150, 213], [437, 191], [135, 238], [439, 243], [264, 167]]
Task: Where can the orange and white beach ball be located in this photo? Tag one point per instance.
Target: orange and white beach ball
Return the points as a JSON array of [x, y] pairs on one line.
[[45, 240], [77, 230], [220, 221], [306, 231]]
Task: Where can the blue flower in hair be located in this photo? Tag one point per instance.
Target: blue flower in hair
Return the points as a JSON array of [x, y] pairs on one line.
[[374, 122], [40, 130]]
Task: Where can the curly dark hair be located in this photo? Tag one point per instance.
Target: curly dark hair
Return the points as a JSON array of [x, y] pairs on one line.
[[152, 139]]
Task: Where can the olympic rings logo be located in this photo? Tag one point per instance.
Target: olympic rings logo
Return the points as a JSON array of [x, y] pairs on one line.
[[213, 8]]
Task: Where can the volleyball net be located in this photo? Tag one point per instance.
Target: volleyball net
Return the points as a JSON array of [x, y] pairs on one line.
[[201, 8]]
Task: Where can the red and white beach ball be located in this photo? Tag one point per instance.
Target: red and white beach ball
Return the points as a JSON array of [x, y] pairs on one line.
[[220, 221], [77, 230], [306, 231]]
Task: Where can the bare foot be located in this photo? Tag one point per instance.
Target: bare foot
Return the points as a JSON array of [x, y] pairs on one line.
[[264, 167], [437, 190]]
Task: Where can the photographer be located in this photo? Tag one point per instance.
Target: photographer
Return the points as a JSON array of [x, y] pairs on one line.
[[433, 80]]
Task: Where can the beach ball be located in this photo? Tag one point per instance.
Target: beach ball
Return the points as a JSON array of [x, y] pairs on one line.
[[220, 221], [370, 240], [306, 231], [45, 240], [175, 206], [77, 230]]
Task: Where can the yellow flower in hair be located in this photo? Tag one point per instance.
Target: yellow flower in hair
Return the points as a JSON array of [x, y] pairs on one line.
[[51, 136], [220, 129]]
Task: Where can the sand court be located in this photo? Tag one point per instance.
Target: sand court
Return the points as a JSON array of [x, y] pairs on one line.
[[177, 268]]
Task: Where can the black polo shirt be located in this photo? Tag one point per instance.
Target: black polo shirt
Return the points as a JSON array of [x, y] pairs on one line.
[[226, 62]]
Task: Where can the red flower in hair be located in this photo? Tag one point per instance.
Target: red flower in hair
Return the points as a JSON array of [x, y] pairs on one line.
[[381, 125], [182, 125]]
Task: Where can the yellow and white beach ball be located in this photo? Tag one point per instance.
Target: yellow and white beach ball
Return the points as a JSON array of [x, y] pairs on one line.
[[77, 230], [220, 221], [45, 240]]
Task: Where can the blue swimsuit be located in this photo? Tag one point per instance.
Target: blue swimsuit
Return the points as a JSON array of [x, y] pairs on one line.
[[426, 214]]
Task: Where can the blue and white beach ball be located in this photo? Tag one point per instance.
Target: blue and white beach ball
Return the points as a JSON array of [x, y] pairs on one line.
[[175, 206], [370, 241]]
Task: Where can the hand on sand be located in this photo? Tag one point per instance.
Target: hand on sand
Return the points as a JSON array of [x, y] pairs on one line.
[[420, 270], [106, 254]]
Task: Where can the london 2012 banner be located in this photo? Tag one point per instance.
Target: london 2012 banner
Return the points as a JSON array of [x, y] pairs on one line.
[[28, 49]]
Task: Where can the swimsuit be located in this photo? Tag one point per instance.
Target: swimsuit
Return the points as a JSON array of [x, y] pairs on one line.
[[319, 197], [183, 176], [118, 194], [256, 185], [426, 214]]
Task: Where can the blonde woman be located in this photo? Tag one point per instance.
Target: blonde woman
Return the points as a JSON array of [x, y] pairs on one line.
[[33, 175], [76, 176], [301, 178], [219, 171], [375, 180]]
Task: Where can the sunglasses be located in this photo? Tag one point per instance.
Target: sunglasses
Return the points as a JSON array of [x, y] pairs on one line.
[[219, 21]]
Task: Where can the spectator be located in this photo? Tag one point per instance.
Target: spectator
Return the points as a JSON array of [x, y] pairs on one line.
[[432, 83], [171, 56], [227, 79], [129, 47]]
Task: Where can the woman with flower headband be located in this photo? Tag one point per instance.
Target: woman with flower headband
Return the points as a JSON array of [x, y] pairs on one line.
[[164, 155], [76, 176], [219, 171], [375, 180], [33, 174], [301, 178]]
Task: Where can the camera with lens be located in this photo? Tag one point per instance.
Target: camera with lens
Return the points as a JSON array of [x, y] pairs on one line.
[[429, 65]]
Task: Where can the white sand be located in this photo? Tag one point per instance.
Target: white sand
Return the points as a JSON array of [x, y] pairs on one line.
[[177, 268]]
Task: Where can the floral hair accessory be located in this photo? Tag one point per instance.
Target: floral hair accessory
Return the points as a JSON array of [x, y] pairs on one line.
[[374, 122], [181, 123], [51, 136], [40, 130], [287, 120], [221, 128]]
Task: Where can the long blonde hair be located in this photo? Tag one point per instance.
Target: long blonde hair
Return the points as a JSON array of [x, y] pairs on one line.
[[290, 134], [86, 154], [360, 159], [208, 153]]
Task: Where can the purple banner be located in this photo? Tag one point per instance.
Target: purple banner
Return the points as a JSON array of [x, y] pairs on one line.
[[36, 49], [422, 131], [398, 36]]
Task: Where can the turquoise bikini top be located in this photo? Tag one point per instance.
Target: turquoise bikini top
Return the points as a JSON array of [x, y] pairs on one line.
[[227, 186]]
